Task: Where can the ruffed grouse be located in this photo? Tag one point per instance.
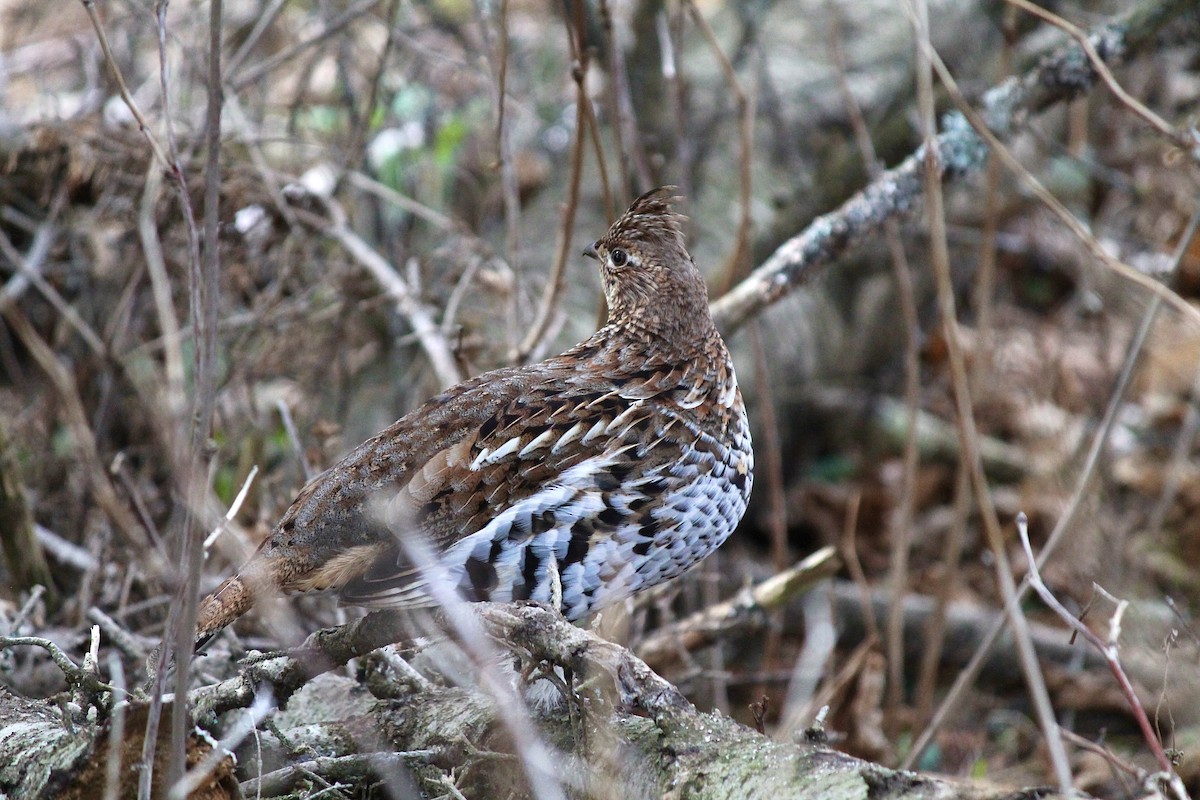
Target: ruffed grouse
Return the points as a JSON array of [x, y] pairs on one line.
[[585, 478]]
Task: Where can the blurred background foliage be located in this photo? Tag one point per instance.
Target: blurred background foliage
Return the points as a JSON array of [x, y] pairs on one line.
[[390, 111]]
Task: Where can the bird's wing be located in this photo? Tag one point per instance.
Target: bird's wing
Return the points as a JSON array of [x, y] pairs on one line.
[[563, 481]]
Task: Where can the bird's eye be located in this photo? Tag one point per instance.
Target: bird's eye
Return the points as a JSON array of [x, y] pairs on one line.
[[618, 257]]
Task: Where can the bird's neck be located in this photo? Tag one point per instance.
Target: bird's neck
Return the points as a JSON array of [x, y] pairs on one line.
[[633, 343]]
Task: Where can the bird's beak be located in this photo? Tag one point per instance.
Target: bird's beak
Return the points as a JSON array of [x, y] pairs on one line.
[[590, 251]]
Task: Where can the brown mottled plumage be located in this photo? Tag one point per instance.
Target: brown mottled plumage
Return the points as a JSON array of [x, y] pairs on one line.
[[582, 479]]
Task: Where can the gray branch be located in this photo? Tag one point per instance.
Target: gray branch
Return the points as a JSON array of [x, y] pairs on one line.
[[898, 192]]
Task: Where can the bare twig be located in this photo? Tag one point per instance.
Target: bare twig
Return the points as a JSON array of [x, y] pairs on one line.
[[242, 728], [743, 612], [985, 281], [849, 551], [419, 315], [32, 601], [84, 439], [1176, 467], [620, 109], [184, 462], [770, 451], [289, 426], [1034, 680], [535, 756], [128, 643], [450, 315], [65, 552], [362, 126], [671, 67], [960, 152], [81, 679], [901, 520], [359, 766], [28, 272], [403, 669], [554, 283], [419, 210], [234, 507], [250, 74], [262, 24], [935, 630], [497, 55], [967, 675], [1108, 755], [242, 128], [593, 130], [1186, 141], [952, 550], [44, 234], [204, 291], [811, 664], [1111, 651], [732, 270], [173, 394], [143, 127], [116, 732], [23, 559]]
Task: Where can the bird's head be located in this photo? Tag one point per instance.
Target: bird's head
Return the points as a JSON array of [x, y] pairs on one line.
[[650, 280]]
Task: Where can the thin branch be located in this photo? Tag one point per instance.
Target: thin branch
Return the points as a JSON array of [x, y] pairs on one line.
[[900, 522], [1109, 649], [79, 678], [241, 127], [241, 729], [554, 283], [405, 203], [84, 439], [116, 732], [1177, 467], [143, 127], [264, 21], [545, 782], [44, 235], [128, 643], [289, 427], [1132, 770], [960, 152], [234, 507], [732, 269], [497, 56], [173, 394], [362, 126], [204, 293], [744, 612], [357, 767], [250, 74], [32, 274], [671, 67], [966, 676], [418, 314], [1035, 682], [619, 108], [1187, 142], [770, 452]]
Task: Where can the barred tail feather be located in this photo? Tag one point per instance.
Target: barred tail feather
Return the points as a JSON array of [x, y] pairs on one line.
[[231, 599]]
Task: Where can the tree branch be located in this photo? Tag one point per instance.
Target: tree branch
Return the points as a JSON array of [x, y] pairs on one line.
[[898, 192]]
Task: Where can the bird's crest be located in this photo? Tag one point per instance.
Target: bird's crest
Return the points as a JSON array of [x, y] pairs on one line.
[[650, 219]]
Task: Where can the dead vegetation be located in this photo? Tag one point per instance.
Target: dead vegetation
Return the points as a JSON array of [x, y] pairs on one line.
[[386, 225]]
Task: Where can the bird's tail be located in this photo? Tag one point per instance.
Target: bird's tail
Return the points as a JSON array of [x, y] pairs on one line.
[[232, 598]]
